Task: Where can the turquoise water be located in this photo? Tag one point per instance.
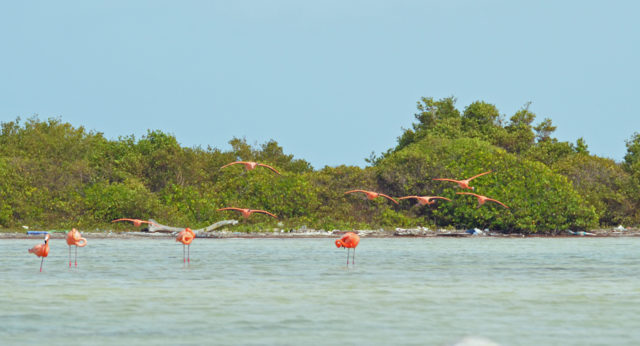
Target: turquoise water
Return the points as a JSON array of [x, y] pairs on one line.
[[570, 291]]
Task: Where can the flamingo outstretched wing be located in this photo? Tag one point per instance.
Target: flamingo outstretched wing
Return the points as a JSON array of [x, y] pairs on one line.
[[138, 221], [232, 163], [271, 168], [445, 179], [496, 201], [388, 197], [264, 212], [408, 197], [479, 175], [232, 208], [352, 191]]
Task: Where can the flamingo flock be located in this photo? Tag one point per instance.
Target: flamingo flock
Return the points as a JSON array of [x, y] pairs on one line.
[[349, 240]]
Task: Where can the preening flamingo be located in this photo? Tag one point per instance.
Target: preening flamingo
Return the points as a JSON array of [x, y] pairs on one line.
[[74, 238], [425, 200], [249, 165], [482, 199], [350, 241], [373, 195], [186, 237], [247, 212], [136, 222], [41, 250], [464, 183]]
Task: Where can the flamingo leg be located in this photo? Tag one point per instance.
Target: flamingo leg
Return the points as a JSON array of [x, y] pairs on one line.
[[76, 258], [41, 261], [69, 256], [353, 259], [188, 254], [348, 252], [184, 257]]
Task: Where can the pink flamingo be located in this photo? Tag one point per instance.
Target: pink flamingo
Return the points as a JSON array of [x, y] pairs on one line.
[[249, 165], [247, 212], [186, 237], [425, 200], [482, 199], [373, 195], [464, 183], [41, 250], [74, 238], [350, 241], [136, 222]]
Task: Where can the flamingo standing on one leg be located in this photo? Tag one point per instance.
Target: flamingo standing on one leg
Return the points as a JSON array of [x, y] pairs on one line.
[[186, 237], [247, 212], [350, 241], [464, 183], [373, 195], [41, 250], [74, 238], [482, 199], [249, 165], [136, 222]]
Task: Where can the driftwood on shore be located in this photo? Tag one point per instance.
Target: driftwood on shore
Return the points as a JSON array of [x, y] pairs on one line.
[[156, 227]]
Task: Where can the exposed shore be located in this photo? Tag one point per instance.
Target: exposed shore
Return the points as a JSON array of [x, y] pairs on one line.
[[310, 233]]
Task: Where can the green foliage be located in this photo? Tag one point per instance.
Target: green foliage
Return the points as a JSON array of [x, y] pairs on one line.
[[55, 175]]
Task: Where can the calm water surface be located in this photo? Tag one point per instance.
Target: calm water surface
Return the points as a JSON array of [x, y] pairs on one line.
[[299, 291]]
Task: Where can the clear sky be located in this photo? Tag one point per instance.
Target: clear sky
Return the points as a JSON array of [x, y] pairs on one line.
[[331, 81]]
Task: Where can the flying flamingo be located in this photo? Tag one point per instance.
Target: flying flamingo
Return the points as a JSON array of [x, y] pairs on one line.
[[464, 183], [349, 240], [136, 222], [425, 200], [186, 237], [247, 212], [74, 238], [41, 250], [482, 199], [249, 165], [373, 195]]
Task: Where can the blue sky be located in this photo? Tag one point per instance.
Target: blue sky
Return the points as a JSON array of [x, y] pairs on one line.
[[331, 81]]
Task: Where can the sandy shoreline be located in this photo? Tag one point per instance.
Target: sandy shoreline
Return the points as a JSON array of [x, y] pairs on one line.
[[308, 233]]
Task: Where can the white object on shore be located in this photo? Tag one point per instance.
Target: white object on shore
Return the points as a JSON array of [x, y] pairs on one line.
[[620, 228]]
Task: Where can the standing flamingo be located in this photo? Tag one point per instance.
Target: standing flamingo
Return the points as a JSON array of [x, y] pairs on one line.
[[482, 199], [186, 237], [349, 240], [136, 222], [41, 250], [373, 195], [249, 165], [464, 183], [247, 212], [74, 238], [425, 200]]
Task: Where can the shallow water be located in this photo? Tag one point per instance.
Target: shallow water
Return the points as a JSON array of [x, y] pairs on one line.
[[570, 291]]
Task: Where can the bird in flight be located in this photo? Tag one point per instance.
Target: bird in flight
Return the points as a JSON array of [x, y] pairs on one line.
[[482, 199], [373, 195], [136, 222], [249, 165], [425, 200], [247, 212], [464, 183]]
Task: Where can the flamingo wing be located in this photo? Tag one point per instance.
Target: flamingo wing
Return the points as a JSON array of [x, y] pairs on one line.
[[232, 208], [388, 197], [467, 193], [408, 197], [481, 174], [264, 212], [232, 163], [496, 201], [352, 191], [445, 179], [125, 219], [271, 168], [438, 197]]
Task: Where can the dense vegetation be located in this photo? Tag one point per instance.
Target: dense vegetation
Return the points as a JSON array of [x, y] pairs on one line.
[[53, 175]]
